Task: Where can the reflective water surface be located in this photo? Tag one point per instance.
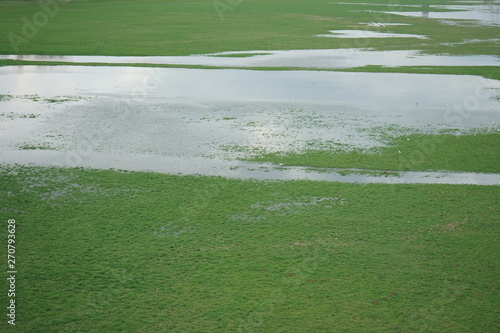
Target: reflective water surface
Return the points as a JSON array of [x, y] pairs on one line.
[[379, 91], [239, 169], [201, 121], [485, 12], [481, 13], [367, 34], [336, 58]]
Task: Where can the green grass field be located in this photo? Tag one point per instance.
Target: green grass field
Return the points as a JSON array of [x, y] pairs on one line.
[[115, 251], [176, 27], [414, 152], [107, 251]]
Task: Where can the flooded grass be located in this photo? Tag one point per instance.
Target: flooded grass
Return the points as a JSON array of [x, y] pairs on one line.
[[209, 254], [12, 115], [38, 98], [36, 146], [281, 113], [240, 55]]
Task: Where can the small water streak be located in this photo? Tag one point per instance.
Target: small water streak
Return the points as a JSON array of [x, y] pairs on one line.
[[245, 170], [324, 59]]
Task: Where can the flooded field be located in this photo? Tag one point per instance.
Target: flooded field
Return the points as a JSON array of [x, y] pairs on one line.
[[202, 121], [325, 59], [244, 166], [210, 121]]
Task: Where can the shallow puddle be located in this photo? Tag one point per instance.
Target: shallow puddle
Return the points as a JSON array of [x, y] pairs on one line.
[[199, 121], [336, 58], [389, 4], [383, 24], [367, 34], [238, 169], [379, 91], [477, 12], [485, 13]]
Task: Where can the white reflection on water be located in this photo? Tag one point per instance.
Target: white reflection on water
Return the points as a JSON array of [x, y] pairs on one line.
[[482, 14], [379, 90], [368, 34], [242, 170], [336, 58], [486, 12], [190, 114]]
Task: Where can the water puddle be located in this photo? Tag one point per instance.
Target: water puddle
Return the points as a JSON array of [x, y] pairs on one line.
[[383, 24], [486, 13], [336, 58], [367, 34], [399, 91], [395, 4], [238, 169], [473, 41], [200, 121]]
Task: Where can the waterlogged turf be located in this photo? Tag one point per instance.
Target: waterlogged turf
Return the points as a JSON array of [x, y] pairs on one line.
[[107, 251], [89, 116]]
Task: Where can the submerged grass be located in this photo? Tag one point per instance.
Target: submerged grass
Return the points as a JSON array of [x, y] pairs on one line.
[[151, 252], [38, 98], [35, 146], [413, 152]]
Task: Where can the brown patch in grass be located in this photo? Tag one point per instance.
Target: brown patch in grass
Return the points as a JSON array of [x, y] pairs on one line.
[[454, 225]]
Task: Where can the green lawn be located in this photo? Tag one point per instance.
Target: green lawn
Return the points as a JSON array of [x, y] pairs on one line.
[[107, 251], [176, 27], [414, 152]]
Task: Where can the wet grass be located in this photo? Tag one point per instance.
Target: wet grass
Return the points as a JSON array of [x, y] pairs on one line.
[[35, 146], [12, 115], [350, 171], [5, 97], [412, 152], [170, 27], [107, 251], [38, 98]]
